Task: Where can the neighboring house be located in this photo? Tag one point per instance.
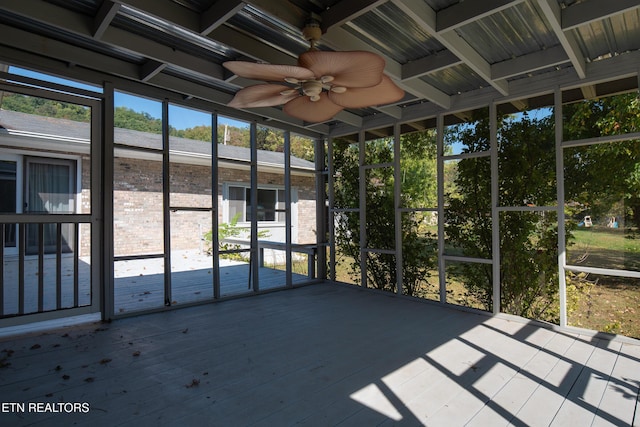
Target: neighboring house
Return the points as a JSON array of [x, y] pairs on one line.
[[45, 167]]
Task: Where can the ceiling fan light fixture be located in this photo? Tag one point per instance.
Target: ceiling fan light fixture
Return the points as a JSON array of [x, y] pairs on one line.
[[289, 92], [292, 80], [338, 89]]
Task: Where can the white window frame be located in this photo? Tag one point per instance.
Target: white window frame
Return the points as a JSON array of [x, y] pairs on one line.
[[226, 216]]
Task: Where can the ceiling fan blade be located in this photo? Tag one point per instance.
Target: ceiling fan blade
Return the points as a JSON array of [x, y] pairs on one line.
[[266, 95], [312, 111], [350, 69], [383, 93], [268, 72]]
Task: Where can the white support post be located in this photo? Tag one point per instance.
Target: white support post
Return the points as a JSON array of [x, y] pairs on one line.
[[215, 243], [562, 250], [287, 204], [442, 277], [397, 204], [362, 191], [495, 214]]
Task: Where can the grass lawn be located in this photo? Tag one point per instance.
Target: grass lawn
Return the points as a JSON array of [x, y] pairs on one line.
[[607, 303]]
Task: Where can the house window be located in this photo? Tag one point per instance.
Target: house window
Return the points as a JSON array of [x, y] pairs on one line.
[[271, 207]]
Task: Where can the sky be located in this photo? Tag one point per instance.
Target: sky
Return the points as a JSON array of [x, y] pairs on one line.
[[179, 117]]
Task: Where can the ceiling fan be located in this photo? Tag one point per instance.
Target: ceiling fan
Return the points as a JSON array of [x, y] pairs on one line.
[[321, 85]]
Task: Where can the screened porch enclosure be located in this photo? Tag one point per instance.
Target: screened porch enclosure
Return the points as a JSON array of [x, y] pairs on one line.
[[168, 194], [457, 213]]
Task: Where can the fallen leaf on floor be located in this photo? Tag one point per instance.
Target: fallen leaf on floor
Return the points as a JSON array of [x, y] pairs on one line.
[[89, 379], [136, 353], [105, 361], [185, 331], [35, 346], [194, 383]]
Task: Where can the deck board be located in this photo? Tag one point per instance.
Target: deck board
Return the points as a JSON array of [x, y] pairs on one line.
[[138, 283], [323, 354], [621, 393]]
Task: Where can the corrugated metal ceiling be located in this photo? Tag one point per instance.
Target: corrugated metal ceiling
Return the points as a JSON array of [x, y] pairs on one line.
[[443, 53]]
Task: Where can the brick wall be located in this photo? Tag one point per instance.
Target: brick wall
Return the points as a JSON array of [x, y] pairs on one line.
[[138, 218], [138, 204]]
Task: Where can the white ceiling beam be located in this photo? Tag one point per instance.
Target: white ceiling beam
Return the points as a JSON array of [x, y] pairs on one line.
[[218, 14], [463, 13], [429, 64], [150, 69], [291, 14], [347, 117], [160, 52], [180, 15], [391, 110], [345, 11], [103, 18], [426, 18], [530, 63], [81, 25], [249, 47], [615, 68], [552, 12], [209, 24], [66, 53], [589, 91], [579, 14]]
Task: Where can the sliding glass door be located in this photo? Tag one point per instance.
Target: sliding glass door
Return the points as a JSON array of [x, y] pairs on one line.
[[50, 189]]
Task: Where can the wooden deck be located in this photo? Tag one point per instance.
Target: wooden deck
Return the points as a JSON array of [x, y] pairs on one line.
[[138, 284], [320, 355]]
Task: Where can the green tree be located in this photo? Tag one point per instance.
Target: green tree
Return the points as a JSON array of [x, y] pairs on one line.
[[528, 240], [591, 169], [45, 107], [418, 155], [127, 118], [419, 249]]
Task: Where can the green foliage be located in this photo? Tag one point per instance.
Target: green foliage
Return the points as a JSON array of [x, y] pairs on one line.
[[126, 118], [228, 230], [45, 107], [419, 248], [198, 133], [418, 168], [528, 240], [590, 170]]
